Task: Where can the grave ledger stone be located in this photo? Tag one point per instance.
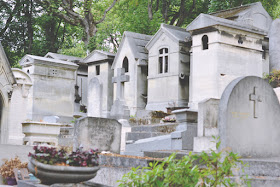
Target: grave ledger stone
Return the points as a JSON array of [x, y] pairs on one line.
[[98, 133], [249, 115]]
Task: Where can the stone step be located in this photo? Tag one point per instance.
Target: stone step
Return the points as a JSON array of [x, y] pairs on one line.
[[164, 128], [134, 136]]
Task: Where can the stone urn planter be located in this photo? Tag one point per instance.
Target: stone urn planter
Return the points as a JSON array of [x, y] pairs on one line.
[[51, 174]]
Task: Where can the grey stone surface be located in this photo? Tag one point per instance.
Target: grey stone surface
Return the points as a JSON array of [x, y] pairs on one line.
[[183, 139], [132, 49], [95, 94], [164, 127], [102, 61], [119, 108], [150, 144], [251, 14], [66, 136], [249, 113], [51, 119], [274, 45], [168, 89], [141, 135], [207, 125], [205, 20], [98, 133], [56, 76]]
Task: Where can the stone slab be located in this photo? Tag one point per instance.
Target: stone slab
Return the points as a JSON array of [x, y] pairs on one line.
[[249, 115], [150, 144], [141, 135], [98, 133], [170, 127]]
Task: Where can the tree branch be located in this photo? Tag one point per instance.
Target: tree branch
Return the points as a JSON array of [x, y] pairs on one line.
[[150, 9], [9, 20], [106, 11]]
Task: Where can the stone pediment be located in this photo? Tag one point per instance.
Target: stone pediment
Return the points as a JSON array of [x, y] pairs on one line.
[[136, 42], [99, 56], [28, 60], [63, 57], [252, 14], [205, 21], [177, 34]]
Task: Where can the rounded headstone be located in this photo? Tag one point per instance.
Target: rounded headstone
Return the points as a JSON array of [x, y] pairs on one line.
[[249, 118]]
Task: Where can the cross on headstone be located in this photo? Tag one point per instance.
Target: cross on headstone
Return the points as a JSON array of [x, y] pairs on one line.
[[256, 98], [119, 79]]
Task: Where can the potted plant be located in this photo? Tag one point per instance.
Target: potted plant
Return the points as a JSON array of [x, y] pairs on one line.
[[6, 170], [168, 120], [57, 166]]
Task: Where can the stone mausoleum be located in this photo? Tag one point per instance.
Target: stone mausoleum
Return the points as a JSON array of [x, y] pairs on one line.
[[175, 68]]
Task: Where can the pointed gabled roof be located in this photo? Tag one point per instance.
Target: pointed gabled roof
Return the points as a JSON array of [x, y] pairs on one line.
[[177, 34], [62, 57], [4, 63], [205, 20], [137, 44], [247, 13], [98, 56], [31, 59]]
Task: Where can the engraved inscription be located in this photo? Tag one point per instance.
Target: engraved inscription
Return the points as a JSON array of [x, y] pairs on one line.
[[241, 115]]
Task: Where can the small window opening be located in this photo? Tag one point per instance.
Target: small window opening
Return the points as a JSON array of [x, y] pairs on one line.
[[163, 61], [125, 64], [264, 52], [97, 69], [28, 71], [240, 40], [204, 42]]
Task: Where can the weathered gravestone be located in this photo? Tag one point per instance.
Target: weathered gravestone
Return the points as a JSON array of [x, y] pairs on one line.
[[98, 133], [95, 93], [249, 116], [119, 109]]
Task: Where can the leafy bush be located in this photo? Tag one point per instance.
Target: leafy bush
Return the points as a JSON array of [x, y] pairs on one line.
[[6, 170], [52, 156], [205, 169], [273, 78]]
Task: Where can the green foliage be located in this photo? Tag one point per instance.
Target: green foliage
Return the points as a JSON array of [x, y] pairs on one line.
[[273, 78], [205, 169]]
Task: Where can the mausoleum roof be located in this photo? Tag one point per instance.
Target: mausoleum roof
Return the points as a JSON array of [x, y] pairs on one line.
[[62, 57], [178, 34], [31, 59], [98, 55], [205, 20], [235, 12], [251, 14], [137, 44]]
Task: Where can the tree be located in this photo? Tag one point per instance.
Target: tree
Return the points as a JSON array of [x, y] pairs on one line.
[[78, 13]]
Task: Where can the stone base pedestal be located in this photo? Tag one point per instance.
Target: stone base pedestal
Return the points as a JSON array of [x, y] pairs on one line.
[[40, 133], [204, 143]]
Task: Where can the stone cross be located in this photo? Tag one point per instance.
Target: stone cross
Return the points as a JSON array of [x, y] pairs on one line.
[[120, 79], [256, 98]]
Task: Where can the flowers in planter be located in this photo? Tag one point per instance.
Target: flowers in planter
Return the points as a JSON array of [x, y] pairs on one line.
[[6, 170], [168, 119], [52, 156]]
